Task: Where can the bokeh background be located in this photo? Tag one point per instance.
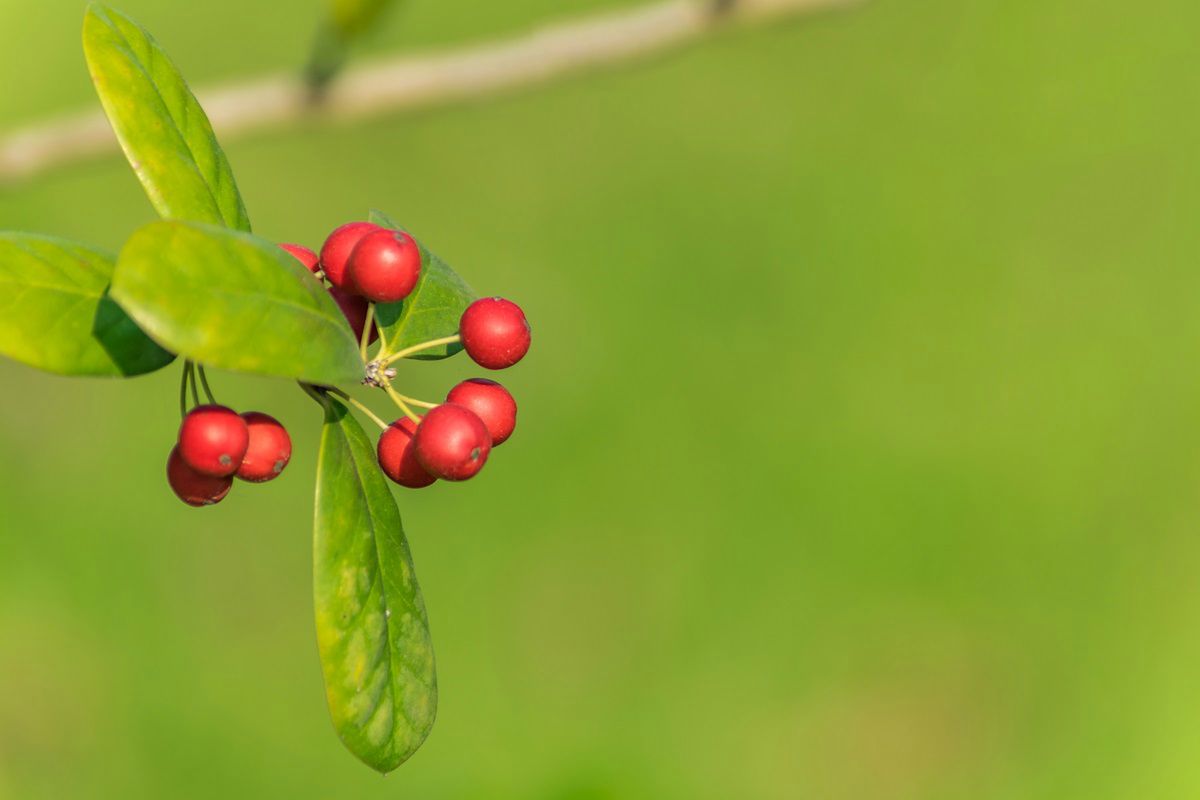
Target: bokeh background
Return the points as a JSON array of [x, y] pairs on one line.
[[859, 452]]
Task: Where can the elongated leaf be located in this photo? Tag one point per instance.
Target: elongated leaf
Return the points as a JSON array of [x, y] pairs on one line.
[[163, 130], [235, 301], [372, 630], [432, 311], [55, 313]]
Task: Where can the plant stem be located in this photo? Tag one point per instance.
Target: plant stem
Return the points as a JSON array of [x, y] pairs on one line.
[[204, 383], [399, 401], [366, 334], [416, 348], [368, 412]]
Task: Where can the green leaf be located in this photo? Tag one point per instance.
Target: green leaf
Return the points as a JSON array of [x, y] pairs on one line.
[[56, 315], [347, 20], [432, 311], [352, 18], [163, 130], [235, 301], [372, 630]]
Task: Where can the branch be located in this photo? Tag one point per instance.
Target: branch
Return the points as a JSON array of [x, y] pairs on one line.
[[408, 82]]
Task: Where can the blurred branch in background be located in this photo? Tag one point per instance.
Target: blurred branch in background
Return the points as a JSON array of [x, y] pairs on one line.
[[406, 82]]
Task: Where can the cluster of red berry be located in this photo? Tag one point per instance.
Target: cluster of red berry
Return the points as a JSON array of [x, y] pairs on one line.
[[216, 444], [366, 264]]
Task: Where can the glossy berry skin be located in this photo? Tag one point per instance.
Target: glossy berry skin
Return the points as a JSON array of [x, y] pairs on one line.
[[452, 443], [269, 451], [491, 402], [305, 256], [213, 441], [193, 488], [495, 333], [385, 266], [335, 253], [354, 308], [397, 457]]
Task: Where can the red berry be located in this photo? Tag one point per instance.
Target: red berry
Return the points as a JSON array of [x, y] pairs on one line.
[[491, 402], [355, 310], [193, 488], [213, 441], [305, 256], [495, 332], [335, 253], [397, 458], [384, 266], [452, 443], [270, 448]]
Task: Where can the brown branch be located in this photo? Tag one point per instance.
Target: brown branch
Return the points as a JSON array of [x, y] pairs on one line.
[[412, 81]]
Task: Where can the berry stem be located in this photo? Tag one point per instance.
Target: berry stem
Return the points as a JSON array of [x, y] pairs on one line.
[[204, 382], [368, 412], [399, 401], [412, 401], [416, 348], [183, 390], [191, 370], [366, 334]]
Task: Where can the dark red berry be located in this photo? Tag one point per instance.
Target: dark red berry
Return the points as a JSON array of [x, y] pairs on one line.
[[193, 488], [355, 310], [213, 440], [397, 458], [384, 266], [335, 253], [491, 402], [495, 332], [305, 256], [269, 451], [452, 443]]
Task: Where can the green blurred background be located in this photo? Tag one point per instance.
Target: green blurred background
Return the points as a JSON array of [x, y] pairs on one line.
[[858, 454]]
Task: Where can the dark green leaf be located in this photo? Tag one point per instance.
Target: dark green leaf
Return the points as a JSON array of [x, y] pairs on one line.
[[55, 313], [372, 630], [235, 301], [162, 128], [432, 311]]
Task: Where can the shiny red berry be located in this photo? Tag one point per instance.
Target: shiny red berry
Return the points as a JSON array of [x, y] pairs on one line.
[[269, 451], [495, 333], [385, 266], [397, 457], [354, 308], [452, 443], [305, 256], [335, 253], [193, 488], [491, 402], [213, 441]]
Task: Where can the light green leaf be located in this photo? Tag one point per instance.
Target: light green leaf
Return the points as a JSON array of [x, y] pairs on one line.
[[234, 301], [372, 630], [55, 313], [163, 130], [432, 311]]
